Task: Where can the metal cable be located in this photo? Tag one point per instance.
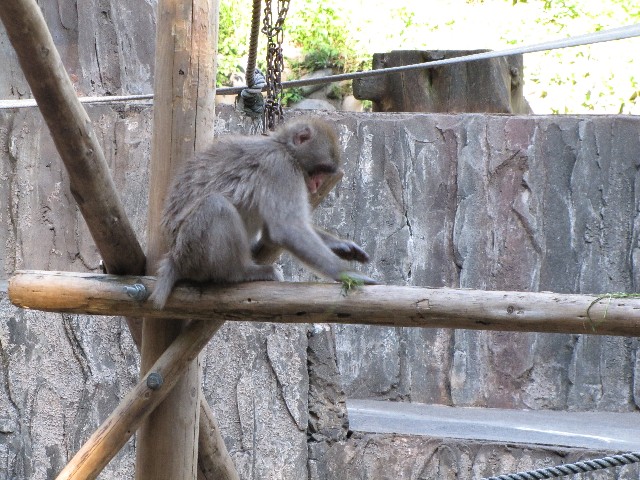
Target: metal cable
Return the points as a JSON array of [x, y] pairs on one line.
[[587, 39], [31, 102], [573, 468], [620, 33]]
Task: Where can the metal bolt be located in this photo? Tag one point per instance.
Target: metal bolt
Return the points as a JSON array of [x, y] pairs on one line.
[[154, 380], [136, 291]]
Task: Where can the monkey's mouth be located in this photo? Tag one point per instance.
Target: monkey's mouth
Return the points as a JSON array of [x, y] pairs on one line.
[[315, 182]]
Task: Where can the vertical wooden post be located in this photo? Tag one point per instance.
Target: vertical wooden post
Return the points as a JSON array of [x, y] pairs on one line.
[[184, 89]]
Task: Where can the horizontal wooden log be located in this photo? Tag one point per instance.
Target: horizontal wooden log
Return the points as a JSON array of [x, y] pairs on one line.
[[328, 303]]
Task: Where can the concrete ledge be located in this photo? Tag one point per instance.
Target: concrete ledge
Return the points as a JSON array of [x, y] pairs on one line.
[[594, 430]]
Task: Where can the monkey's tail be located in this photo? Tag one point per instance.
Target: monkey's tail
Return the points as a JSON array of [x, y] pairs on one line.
[[167, 277]]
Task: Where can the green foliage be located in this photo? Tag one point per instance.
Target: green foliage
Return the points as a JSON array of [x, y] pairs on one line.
[[233, 43], [589, 79], [349, 284], [291, 95], [344, 35], [320, 30]]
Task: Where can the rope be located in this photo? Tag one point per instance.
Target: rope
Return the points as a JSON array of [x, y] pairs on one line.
[[253, 43], [620, 33], [251, 101], [573, 468]]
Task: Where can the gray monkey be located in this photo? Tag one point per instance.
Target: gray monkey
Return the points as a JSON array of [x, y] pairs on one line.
[[241, 186]]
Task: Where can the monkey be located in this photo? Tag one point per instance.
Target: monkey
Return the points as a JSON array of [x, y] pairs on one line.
[[240, 187]]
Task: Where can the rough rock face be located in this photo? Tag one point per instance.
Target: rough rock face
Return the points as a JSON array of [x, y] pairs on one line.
[[61, 375], [383, 457], [328, 421], [106, 46], [494, 202], [502, 203]]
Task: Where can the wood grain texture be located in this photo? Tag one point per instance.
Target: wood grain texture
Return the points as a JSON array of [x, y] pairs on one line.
[[186, 35], [114, 432], [284, 302], [91, 182]]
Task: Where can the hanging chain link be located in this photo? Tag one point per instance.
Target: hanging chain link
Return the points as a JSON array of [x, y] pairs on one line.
[[273, 114]]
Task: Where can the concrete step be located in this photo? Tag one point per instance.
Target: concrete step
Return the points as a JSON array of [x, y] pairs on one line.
[[593, 430]]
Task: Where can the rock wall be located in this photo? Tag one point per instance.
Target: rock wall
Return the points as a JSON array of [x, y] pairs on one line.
[[384, 457], [498, 203], [106, 46], [493, 202], [61, 375]]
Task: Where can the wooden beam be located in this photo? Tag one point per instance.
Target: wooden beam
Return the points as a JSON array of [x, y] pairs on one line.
[[114, 432], [90, 181], [327, 303], [217, 464], [183, 118]]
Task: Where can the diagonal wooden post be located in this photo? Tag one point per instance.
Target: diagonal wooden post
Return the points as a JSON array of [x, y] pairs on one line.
[[90, 181], [114, 432], [184, 89]]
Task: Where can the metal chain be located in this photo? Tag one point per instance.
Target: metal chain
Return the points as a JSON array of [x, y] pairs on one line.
[[273, 113]]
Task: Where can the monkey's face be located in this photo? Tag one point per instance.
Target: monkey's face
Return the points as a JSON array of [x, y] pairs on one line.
[[315, 146]]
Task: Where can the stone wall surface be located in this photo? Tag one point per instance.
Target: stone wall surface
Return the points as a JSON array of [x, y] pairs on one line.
[[473, 201], [107, 47], [496, 203], [381, 457], [490, 202]]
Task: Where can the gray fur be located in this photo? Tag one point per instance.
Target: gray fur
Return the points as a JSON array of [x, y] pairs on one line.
[[240, 187]]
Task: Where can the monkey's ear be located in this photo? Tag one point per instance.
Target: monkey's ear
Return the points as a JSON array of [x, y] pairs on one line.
[[301, 136]]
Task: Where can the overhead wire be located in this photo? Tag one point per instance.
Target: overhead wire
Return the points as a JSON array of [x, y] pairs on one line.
[[608, 35], [619, 33]]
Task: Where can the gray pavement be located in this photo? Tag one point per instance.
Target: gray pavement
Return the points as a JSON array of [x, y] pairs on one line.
[[618, 432]]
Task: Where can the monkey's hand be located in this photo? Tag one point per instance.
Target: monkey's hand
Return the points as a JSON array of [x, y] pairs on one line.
[[348, 250], [345, 249]]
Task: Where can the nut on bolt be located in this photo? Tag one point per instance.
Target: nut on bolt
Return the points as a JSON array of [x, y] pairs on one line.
[[137, 291], [154, 380]]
